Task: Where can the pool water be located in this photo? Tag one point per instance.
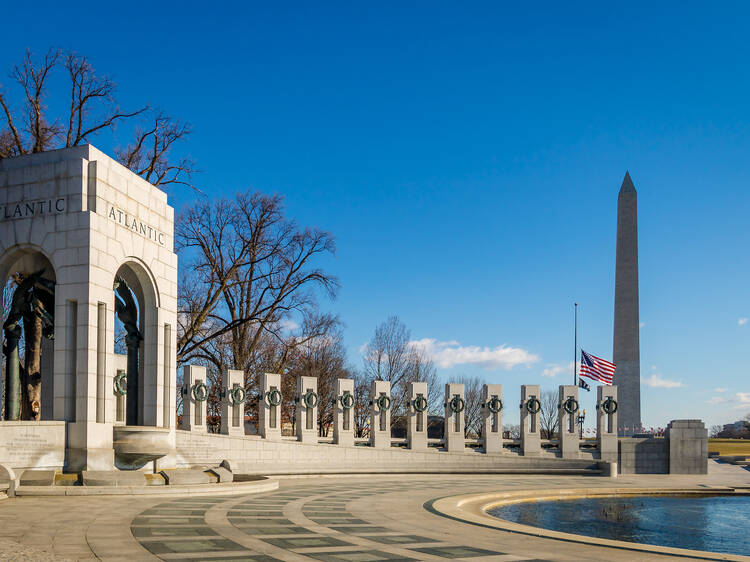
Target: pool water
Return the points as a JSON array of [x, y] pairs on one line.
[[713, 523]]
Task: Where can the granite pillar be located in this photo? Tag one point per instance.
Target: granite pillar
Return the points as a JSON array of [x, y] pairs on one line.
[[531, 443], [233, 397], [416, 430], [343, 428], [307, 409], [492, 418], [269, 406], [606, 422], [566, 421]]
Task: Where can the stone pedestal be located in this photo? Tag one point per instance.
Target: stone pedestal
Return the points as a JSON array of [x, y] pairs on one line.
[[343, 429], [688, 447], [416, 430], [380, 414], [307, 409], [530, 439], [193, 409], [492, 422], [233, 398], [455, 406], [566, 421], [606, 423], [269, 414]]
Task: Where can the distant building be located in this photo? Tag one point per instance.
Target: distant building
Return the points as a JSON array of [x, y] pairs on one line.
[[737, 430]]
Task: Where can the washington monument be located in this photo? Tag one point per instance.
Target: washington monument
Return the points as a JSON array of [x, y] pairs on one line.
[[626, 348]]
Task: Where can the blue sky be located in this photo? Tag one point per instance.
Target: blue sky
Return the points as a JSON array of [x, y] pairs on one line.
[[467, 158]]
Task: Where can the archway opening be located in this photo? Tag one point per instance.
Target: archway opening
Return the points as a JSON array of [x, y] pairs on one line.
[[28, 283], [135, 339]]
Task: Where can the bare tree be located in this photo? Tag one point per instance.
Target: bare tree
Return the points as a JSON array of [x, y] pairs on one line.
[[473, 406], [92, 109], [323, 357], [29, 130], [249, 272], [548, 420], [390, 356], [250, 268], [149, 154], [361, 406], [514, 431], [92, 101]]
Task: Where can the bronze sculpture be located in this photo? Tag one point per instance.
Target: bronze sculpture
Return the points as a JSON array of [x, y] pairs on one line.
[[126, 309], [32, 306]]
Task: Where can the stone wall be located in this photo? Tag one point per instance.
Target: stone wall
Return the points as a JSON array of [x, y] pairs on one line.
[[252, 454], [683, 450], [688, 447], [32, 444], [643, 456]]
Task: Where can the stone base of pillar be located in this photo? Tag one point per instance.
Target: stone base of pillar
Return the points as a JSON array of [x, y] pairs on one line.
[[77, 460]]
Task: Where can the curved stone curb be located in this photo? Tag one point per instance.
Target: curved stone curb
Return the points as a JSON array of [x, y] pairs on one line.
[[358, 471], [255, 487], [472, 509]]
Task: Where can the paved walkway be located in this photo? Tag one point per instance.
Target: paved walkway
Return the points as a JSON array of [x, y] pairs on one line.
[[352, 519]]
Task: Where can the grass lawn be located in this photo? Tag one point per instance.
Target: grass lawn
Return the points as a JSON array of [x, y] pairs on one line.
[[730, 446]]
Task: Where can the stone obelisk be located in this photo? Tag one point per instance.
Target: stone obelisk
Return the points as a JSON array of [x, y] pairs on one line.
[[626, 348]]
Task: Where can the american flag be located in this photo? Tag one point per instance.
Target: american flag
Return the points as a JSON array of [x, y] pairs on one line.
[[596, 368]]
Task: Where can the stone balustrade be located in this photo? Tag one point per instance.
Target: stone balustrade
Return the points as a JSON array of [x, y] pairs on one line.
[[414, 413], [414, 419]]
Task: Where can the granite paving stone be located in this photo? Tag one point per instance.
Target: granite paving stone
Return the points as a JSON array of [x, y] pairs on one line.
[[359, 519]]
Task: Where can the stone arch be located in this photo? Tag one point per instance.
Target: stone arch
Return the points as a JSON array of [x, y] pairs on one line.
[[28, 259], [140, 399], [25, 257]]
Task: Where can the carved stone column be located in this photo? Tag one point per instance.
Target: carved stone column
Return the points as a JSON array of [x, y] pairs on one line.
[[343, 429], [567, 413], [530, 410], [455, 407], [12, 374], [416, 435], [380, 415], [492, 418]]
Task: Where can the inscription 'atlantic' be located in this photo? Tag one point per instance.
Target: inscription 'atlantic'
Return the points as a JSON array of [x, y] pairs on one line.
[[37, 208], [139, 227]]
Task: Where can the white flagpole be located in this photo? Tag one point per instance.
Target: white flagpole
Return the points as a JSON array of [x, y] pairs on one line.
[[575, 345]]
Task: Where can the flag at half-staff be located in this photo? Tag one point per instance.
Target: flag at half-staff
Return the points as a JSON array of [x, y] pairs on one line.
[[596, 368], [583, 384]]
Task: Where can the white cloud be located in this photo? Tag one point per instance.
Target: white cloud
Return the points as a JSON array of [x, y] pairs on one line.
[[740, 400], [642, 324], [658, 381], [742, 321], [447, 354], [554, 369], [288, 325]]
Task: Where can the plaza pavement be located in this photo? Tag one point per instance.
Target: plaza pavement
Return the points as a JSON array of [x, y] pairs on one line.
[[314, 518]]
